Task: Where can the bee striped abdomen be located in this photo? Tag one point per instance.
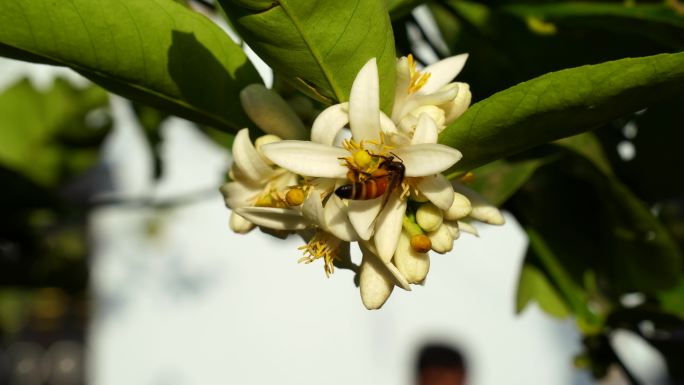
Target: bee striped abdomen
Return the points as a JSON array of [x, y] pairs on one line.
[[369, 189]]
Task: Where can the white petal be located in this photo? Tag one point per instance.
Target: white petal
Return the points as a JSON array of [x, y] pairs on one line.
[[337, 219], [412, 265], [388, 226], [426, 130], [427, 158], [437, 188], [329, 123], [398, 278], [362, 214], [468, 228], [455, 108], [444, 95], [364, 104], [248, 160], [443, 72], [453, 229], [387, 125], [239, 224], [375, 282], [274, 218], [482, 210], [401, 86], [312, 209], [271, 113], [237, 194], [307, 158]]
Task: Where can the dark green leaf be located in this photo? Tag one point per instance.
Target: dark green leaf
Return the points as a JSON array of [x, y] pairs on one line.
[[561, 104], [319, 46], [45, 135], [157, 52], [533, 286]]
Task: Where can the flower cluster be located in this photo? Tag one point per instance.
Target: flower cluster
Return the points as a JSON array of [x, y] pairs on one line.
[[381, 186]]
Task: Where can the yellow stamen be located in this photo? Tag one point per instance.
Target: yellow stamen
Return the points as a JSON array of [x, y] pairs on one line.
[[417, 79], [322, 245], [295, 196]]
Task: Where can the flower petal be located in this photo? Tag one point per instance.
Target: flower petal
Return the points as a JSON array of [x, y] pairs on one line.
[[388, 226], [312, 209], [274, 218], [337, 219], [412, 265], [364, 104], [460, 208], [468, 228], [237, 194], [459, 105], [239, 224], [398, 278], [271, 112], [375, 282], [437, 188], [329, 123], [401, 86], [426, 130], [387, 125], [481, 210], [307, 158], [452, 226], [362, 214], [443, 72], [248, 160], [444, 95], [426, 158]]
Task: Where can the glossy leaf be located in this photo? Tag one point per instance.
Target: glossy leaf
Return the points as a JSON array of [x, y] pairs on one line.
[[533, 286], [561, 104], [156, 51], [49, 136], [318, 45]]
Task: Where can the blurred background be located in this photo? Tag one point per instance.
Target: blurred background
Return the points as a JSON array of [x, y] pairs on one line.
[[117, 265]]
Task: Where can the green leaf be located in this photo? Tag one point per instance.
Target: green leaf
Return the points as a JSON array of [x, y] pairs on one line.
[[561, 104], [45, 136], [317, 45], [659, 22], [533, 285], [156, 51], [499, 180]]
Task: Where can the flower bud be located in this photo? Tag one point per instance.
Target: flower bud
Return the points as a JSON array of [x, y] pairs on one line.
[[262, 140], [239, 224], [434, 112], [271, 112], [429, 217], [460, 208], [295, 196], [468, 228], [487, 214], [453, 229], [459, 105], [413, 265], [442, 240], [421, 243]]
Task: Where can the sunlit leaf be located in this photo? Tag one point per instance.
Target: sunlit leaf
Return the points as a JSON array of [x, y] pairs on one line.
[[561, 104], [156, 51], [533, 286], [318, 45]]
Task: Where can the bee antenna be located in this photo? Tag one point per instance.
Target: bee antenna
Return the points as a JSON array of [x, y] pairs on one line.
[[396, 156]]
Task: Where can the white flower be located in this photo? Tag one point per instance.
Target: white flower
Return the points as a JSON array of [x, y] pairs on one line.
[[422, 158], [429, 91], [254, 182]]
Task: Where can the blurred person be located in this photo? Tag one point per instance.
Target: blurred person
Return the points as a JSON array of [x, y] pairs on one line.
[[440, 365]]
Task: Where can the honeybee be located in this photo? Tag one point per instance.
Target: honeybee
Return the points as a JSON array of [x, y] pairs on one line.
[[385, 179]]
